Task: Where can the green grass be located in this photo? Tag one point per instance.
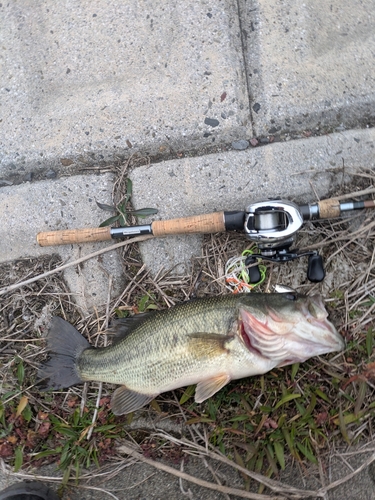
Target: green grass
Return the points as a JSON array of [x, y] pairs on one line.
[[59, 435], [262, 423]]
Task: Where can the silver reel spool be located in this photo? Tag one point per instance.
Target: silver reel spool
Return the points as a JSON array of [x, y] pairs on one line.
[[272, 224]]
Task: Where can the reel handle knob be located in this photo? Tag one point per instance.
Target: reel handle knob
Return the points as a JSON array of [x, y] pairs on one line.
[[315, 268], [252, 271]]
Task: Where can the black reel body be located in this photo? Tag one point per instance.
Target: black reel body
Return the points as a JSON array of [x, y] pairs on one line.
[[273, 225], [315, 267]]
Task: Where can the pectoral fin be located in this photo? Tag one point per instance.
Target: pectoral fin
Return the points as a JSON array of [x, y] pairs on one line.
[[205, 345], [125, 401], [207, 388]]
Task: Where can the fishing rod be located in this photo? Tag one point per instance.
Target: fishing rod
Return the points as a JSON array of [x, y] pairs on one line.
[[271, 224]]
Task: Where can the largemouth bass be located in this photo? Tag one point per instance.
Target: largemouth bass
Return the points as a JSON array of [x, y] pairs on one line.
[[207, 342]]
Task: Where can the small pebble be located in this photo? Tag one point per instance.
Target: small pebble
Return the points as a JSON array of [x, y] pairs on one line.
[[256, 107], [273, 130], [241, 144], [66, 162], [28, 177], [254, 141], [51, 174], [212, 122]]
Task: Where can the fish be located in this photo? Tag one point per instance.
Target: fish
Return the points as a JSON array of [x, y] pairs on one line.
[[206, 341]]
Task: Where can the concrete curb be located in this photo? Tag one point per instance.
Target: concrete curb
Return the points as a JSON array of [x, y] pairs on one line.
[[64, 203], [294, 170]]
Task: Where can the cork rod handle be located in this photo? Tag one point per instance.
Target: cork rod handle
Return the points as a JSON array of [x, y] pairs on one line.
[[329, 209], [207, 223], [67, 236]]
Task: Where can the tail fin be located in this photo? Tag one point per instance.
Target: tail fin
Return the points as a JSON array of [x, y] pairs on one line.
[[65, 344]]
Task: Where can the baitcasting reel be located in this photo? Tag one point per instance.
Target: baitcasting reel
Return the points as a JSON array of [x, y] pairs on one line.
[[273, 225]]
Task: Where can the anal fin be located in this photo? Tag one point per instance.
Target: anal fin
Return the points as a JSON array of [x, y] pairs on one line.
[[125, 401], [207, 388]]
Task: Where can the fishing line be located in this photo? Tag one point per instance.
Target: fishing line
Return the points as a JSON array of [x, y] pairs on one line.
[[237, 275]]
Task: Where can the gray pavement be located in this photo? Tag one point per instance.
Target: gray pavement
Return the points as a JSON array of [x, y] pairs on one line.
[[297, 170], [86, 84], [139, 481], [62, 203], [310, 65]]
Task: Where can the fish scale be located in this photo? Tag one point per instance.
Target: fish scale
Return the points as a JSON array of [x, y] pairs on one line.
[[163, 340], [207, 342]]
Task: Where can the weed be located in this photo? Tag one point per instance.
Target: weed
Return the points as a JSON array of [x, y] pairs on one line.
[[260, 422], [60, 436], [123, 211]]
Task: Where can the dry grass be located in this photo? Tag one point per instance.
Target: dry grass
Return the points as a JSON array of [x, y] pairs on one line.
[[253, 422]]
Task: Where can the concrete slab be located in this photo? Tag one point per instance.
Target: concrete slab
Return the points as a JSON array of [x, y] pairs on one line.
[[337, 467], [88, 82], [233, 180], [139, 480], [310, 65], [61, 204]]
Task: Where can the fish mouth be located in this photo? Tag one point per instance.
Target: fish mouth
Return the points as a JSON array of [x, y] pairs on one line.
[[286, 338]]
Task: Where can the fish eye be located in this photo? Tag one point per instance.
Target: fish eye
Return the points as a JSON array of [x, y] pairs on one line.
[[290, 296]]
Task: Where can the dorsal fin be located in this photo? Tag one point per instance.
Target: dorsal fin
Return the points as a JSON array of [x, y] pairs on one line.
[[121, 327]]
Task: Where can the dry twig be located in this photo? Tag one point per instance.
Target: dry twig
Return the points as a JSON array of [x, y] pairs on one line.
[[200, 482], [16, 286]]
